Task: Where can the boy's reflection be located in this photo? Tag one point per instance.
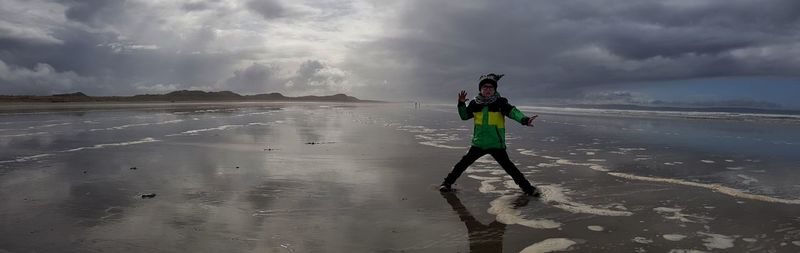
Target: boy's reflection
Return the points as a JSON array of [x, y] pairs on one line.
[[482, 238]]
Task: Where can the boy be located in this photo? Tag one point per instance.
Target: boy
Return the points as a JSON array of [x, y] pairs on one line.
[[488, 109]]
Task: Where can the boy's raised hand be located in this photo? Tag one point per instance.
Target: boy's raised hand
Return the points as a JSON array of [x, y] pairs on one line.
[[530, 120], [462, 96]]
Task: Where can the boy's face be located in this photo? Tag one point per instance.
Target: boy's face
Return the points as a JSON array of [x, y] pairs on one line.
[[487, 90]]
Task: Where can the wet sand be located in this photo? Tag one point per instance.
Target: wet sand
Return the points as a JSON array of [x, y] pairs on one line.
[[309, 177]]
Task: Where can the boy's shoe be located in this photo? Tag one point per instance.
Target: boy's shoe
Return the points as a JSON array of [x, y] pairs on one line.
[[533, 192], [445, 188]]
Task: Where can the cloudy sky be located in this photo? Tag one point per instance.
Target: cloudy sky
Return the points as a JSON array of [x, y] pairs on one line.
[[688, 52]]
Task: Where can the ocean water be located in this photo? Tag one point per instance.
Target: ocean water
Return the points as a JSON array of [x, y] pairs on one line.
[[290, 177]]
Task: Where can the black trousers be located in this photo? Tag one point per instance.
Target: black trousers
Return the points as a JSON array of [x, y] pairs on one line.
[[498, 154]]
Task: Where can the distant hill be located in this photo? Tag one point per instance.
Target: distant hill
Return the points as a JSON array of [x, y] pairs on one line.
[[76, 94], [190, 95], [180, 96], [270, 96], [337, 97]]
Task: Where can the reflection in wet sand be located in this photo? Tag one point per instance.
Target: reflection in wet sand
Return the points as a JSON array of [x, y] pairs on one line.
[[482, 238]]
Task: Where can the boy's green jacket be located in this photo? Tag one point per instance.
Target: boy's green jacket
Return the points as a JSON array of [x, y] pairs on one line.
[[490, 130]]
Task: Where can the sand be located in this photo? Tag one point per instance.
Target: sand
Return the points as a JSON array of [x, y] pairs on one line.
[[308, 177]]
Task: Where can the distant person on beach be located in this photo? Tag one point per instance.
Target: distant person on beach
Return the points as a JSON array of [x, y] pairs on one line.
[[489, 110]]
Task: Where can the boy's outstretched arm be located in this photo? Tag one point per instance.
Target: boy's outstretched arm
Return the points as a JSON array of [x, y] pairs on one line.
[[463, 112], [512, 112]]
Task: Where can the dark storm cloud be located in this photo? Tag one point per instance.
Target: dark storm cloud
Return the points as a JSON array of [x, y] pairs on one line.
[[312, 10], [123, 47], [313, 75], [37, 69], [92, 12], [41, 77], [557, 48], [738, 103], [616, 97], [105, 62], [195, 6], [307, 74], [107, 68], [256, 78], [269, 9], [390, 50], [14, 33]]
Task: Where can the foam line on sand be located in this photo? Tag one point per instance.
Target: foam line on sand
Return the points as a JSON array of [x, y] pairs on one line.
[[503, 208], [223, 127], [99, 146], [549, 245], [26, 158], [714, 187], [135, 125], [22, 135], [555, 194], [196, 131]]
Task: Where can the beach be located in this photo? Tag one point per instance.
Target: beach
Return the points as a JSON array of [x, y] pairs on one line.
[[343, 177]]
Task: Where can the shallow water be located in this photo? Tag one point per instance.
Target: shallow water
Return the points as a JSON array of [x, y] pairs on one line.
[[307, 177]]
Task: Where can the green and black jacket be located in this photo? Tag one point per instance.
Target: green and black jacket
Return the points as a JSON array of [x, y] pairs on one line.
[[490, 127]]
